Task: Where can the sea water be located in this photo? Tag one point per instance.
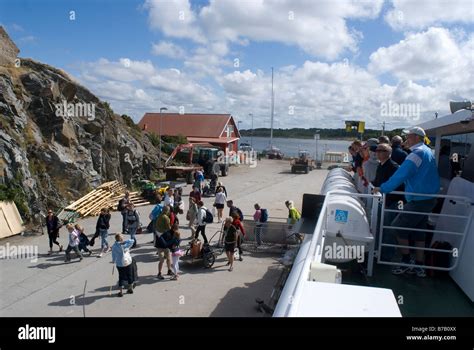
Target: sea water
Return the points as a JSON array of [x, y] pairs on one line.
[[291, 147]]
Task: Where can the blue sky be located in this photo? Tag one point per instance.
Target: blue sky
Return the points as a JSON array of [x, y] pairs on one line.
[[334, 60]]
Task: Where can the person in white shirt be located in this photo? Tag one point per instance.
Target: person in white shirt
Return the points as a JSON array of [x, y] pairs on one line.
[[219, 203], [169, 198], [73, 242], [201, 221]]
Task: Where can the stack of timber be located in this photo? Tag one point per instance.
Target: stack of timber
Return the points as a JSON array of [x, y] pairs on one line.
[[106, 195]]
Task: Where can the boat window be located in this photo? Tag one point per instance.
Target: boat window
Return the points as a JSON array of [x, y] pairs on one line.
[[453, 154]]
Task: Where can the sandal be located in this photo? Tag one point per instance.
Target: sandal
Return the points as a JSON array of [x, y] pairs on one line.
[[230, 269]]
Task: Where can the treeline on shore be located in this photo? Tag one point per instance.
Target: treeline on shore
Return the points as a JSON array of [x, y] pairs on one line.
[[326, 134]]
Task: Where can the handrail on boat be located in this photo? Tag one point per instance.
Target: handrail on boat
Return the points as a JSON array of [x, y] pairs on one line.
[[311, 248], [462, 199]]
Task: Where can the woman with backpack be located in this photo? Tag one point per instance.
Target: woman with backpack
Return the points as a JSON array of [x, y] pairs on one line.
[[202, 215], [260, 217], [219, 203]]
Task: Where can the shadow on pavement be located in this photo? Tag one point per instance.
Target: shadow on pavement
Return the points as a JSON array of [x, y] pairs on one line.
[[80, 300], [240, 301]]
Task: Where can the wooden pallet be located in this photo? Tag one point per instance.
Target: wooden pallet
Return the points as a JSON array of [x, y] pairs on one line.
[[106, 195]]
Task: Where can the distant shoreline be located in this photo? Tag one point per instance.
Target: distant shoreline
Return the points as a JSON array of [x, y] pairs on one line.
[[302, 137], [324, 134]]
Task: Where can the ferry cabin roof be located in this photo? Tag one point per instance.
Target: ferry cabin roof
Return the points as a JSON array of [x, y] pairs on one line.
[[456, 131]]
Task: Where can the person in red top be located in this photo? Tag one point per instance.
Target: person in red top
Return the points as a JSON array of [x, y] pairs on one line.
[[172, 218], [195, 194], [241, 231]]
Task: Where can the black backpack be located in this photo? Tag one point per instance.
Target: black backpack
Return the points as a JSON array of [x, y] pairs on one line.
[[241, 215], [264, 215], [209, 219], [162, 241]]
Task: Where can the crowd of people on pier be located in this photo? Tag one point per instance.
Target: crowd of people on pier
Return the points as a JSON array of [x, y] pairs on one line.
[[400, 165], [164, 224]]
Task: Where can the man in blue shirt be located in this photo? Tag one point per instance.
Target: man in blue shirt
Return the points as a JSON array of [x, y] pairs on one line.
[[419, 173]]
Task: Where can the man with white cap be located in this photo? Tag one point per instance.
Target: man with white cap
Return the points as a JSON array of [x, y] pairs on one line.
[[419, 173]]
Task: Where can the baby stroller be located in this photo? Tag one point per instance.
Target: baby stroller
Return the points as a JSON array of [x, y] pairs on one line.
[[210, 188], [204, 252]]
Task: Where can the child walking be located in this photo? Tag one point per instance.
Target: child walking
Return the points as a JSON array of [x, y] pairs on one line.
[[176, 252]]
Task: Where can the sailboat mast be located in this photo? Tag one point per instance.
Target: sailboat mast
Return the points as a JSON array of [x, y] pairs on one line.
[[271, 120]]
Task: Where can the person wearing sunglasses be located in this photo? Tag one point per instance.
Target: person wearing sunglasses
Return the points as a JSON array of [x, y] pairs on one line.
[[419, 173]]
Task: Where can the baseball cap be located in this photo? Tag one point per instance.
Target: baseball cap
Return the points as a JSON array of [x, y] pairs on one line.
[[415, 130], [372, 141]]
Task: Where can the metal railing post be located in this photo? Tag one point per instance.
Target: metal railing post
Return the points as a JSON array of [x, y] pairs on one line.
[[382, 216]]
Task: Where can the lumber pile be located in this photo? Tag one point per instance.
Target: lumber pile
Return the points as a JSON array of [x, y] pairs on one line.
[[106, 195]]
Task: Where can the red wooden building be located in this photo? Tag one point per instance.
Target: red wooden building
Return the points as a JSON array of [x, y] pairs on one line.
[[219, 130]]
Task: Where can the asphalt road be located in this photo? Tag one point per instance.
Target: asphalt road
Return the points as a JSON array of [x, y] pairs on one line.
[[51, 287]]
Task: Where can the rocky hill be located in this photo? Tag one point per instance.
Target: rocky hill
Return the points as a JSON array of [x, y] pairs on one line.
[[58, 140]]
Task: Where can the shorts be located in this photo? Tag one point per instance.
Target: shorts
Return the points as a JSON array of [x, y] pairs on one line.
[[219, 206], [229, 247], [164, 253], [417, 221]]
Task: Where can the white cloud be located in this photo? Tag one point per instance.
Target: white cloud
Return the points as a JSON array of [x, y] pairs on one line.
[[208, 59], [27, 39], [425, 55], [167, 48], [316, 27], [315, 94], [418, 14], [436, 58], [242, 83], [124, 70], [136, 87], [429, 68], [174, 18]]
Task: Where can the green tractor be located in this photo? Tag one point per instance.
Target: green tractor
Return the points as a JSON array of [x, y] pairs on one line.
[[213, 161]]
